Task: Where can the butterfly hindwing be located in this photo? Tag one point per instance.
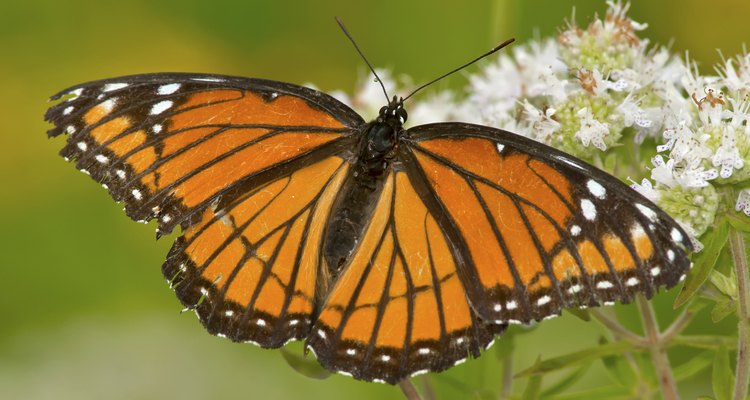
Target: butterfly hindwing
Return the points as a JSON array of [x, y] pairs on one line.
[[399, 307], [540, 230], [168, 145], [249, 269]]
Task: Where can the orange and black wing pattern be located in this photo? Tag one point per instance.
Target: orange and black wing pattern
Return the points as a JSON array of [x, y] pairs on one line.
[[250, 268], [170, 145], [537, 230], [399, 307]]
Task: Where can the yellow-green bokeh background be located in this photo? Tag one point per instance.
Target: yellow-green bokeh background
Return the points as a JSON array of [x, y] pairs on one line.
[[84, 310]]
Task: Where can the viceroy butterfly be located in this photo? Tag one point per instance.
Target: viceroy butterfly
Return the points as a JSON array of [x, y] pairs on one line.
[[390, 251]]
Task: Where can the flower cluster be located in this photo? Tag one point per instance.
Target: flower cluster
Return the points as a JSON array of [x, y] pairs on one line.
[[603, 87]]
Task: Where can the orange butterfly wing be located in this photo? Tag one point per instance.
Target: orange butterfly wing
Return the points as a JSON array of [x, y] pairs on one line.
[[399, 307], [539, 230], [250, 269], [168, 145]]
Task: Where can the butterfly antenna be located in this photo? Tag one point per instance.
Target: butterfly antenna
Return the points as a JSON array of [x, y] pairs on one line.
[[343, 28], [495, 49]]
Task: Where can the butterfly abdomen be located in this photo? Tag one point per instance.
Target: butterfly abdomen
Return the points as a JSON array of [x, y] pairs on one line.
[[355, 202]]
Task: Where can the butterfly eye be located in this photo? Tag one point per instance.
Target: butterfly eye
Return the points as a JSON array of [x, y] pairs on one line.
[[383, 110], [401, 113]]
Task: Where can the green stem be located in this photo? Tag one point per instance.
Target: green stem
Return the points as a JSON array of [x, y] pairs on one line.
[[658, 354], [739, 256], [410, 392], [507, 376], [617, 329], [427, 390], [677, 327]]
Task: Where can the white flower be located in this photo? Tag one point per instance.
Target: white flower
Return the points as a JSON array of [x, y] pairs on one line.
[[646, 189], [539, 123], [498, 84], [592, 131], [743, 202]]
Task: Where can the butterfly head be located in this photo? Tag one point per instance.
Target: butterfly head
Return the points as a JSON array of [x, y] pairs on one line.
[[394, 112]]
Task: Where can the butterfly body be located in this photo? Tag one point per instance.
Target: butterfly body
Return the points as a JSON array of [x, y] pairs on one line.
[[363, 185], [389, 251]]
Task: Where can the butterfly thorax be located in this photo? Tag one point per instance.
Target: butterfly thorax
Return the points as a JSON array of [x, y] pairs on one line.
[[355, 202]]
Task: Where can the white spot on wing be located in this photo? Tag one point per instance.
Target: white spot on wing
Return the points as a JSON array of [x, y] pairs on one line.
[[101, 158], [424, 350], [75, 94], [500, 148], [168, 88], [676, 235], [632, 281], [588, 209], [655, 271], [649, 213], [604, 285], [670, 255], [156, 128], [637, 230], [575, 230], [70, 129], [82, 145], [351, 352], [108, 105], [207, 79], [229, 313], [511, 305], [161, 106], [574, 289], [321, 333], [596, 189], [137, 194], [113, 86], [543, 300], [68, 110], [385, 358], [498, 307]]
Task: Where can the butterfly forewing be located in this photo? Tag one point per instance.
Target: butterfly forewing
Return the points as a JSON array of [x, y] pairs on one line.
[[170, 144], [540, 230]]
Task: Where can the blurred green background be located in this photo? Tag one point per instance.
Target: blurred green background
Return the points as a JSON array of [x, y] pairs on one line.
[[85, 312]]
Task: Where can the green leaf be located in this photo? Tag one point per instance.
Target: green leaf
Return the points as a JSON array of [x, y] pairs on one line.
[[534, 386], [739, 221], [308, 367], [581, 313], [607, 392], [619, 370], [577, 358], [704, 262], [722, 377], [722, 309], [725, 284], [693, 366], [709, 342], [566, 382]]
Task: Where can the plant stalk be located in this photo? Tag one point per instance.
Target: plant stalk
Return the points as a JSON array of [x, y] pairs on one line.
[[617, 329], [739, 257], [410, 392], [507, 377], [658, 353]]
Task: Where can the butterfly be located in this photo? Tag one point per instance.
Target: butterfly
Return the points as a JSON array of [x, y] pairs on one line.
[[391, 252]]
